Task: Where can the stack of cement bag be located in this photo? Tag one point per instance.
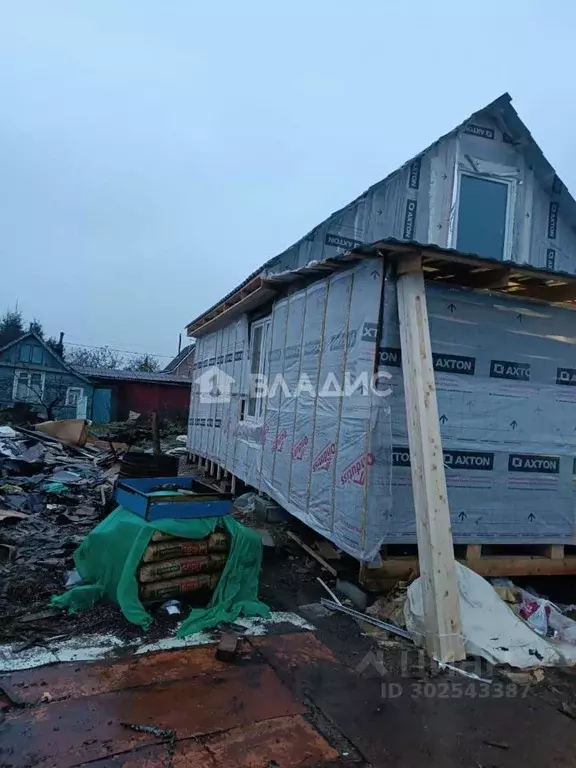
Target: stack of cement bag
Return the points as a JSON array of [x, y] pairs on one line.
[[172, 567]]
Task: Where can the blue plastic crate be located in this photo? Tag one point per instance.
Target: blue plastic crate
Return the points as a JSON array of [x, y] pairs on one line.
[[179, 498]]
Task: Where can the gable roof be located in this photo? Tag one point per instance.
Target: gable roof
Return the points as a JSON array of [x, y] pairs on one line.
[[518, 134], [180, 357], [55, 355]]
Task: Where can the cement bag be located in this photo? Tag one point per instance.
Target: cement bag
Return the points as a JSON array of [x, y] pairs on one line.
[[490, 628]]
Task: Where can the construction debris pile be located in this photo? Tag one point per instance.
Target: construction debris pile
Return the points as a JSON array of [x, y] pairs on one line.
[[51, 494], [173, 567]]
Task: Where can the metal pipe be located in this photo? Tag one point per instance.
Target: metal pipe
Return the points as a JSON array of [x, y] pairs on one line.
[[364, 617]]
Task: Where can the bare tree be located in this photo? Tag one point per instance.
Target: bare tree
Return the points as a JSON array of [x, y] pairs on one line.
[[147, 363], [93, 357], [32, 387]]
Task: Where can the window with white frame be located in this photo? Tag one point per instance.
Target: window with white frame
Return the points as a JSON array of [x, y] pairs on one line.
[[28, 386], [254, 404], [485, 211], [73, 395]]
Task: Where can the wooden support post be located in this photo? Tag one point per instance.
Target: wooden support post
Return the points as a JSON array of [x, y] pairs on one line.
[[211, 467], [218, 472], [435, 550], [233, 484]]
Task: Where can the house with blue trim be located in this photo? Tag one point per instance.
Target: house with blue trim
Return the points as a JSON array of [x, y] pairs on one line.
[[32, 373]]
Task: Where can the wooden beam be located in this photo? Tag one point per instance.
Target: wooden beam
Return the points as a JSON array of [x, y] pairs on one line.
[[440, 595]]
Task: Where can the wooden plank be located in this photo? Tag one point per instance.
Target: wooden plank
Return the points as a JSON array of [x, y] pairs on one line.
[[440, 594], [406, 568], [320, 560]]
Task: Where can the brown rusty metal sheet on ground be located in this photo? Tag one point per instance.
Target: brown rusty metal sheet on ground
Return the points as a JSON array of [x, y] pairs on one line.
[[157, 756], [295, 649], [73, 679], [285, 741], [68, 733]]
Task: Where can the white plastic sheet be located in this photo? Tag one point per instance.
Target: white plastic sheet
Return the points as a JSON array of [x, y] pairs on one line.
[[490, 628]]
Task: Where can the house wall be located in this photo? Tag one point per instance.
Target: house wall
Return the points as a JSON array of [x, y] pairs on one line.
[[326, 460], [185, 368], [172, 401], [505, 381], [30, 355], [417, 203]]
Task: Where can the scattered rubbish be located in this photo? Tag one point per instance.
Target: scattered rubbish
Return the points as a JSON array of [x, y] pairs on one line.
[[72, 431], [227, 648], [390, 607], [314, 611], [313, 554], [461, 671], [160, 733], [490, 628], [181, 439], [355, 593], [568, 709], [327, 588], [497, 744], [327, 550], [46, 697], [55, 488], [365, 617], [10, 514], [7, 553], [524, 678], [247, 501], [171, 607], [50, 497], [267, 540], [73, 578]]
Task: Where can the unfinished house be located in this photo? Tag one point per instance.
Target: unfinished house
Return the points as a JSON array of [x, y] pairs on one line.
[[486, 220]]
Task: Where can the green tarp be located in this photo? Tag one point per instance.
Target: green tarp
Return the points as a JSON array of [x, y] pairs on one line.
[[109, 557]]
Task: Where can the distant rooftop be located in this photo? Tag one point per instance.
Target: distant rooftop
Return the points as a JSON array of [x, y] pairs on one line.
[[180, 357], [143, 376]]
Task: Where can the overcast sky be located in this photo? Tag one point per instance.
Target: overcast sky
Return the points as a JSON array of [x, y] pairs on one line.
[[153, 154]]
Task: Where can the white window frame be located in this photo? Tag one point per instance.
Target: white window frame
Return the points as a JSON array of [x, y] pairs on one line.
[[501, 174], [32, 397], [258, 416], [80, 394]]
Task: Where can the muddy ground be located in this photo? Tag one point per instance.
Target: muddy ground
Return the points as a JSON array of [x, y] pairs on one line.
[[384, 705]]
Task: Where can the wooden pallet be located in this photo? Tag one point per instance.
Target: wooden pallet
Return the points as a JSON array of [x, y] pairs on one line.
[[401, 562]]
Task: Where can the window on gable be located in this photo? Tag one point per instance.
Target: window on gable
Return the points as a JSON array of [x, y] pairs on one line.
[[254, 404], [73, 395], [25, 353], [37, 355], [483, 216], [28, 386]]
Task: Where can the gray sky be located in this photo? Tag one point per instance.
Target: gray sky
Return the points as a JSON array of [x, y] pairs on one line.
[[152, 154]]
